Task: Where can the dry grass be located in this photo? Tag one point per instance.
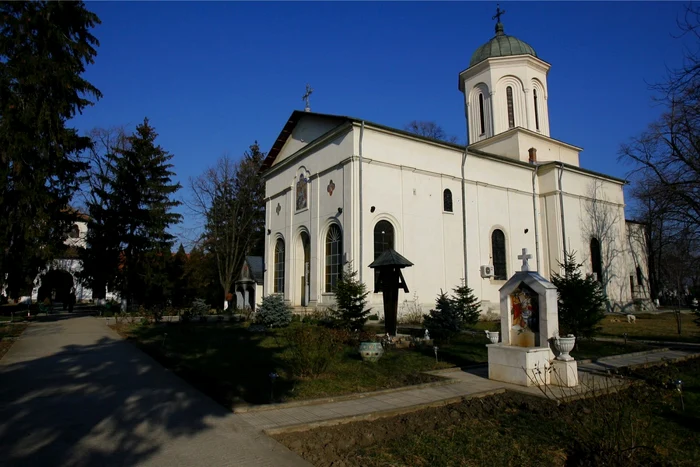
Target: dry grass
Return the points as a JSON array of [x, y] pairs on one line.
[[652, 327]]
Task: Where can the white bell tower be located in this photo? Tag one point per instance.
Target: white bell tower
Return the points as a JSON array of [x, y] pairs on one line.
[[505, 87]]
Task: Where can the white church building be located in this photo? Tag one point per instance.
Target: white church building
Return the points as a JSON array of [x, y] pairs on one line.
[[341, 189]]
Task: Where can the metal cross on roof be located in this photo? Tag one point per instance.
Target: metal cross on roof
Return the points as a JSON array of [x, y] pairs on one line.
[[499, 12], [306, 96], [525, 257]]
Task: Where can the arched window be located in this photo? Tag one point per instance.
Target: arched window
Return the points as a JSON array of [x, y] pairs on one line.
[[537, 111], [498, 255], [447, 200], [74, 231], [511, 112], [596, 263], [334, 251], [640, 279], [279, 267], [383, 240], [481, 113]]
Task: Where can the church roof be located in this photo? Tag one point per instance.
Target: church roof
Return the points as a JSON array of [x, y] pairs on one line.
[[341, 119], [501, 45]]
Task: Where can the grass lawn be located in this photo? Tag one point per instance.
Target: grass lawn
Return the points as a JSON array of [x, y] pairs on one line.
[[231, 364], [7, 334], [653, 327], [643, 425]]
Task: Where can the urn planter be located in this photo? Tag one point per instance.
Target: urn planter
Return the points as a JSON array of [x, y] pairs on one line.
[[493, 336], [371, 351], [564, 345]]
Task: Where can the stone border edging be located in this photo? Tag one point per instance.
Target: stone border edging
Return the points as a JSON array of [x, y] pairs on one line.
[[377, 415], [342, 398]]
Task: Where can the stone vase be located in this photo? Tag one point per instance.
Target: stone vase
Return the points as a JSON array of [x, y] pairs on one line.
[[564, 345], [371, 351], [493, 336]]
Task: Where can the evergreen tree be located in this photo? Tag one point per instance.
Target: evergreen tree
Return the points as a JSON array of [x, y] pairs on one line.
[[351, 310], [581, 301], [176, 275], [139, 212], [274, 312], [44, 49], [466, 304], [444, 321]]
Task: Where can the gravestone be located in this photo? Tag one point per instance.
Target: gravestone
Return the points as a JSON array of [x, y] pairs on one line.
[[529, 328]]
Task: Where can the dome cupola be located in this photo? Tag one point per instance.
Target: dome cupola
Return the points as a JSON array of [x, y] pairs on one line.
[[502, 45]]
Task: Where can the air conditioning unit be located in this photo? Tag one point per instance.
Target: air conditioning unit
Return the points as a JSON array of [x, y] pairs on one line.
[[487, 270]]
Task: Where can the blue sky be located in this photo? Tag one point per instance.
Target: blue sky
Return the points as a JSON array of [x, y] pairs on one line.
[[213, 77]]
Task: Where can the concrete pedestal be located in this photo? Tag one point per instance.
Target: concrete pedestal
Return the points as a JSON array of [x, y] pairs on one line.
[[524, 366], [565, 373]]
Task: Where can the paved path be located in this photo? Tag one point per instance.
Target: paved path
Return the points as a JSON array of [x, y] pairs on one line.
[[73, 393], [470, 383]]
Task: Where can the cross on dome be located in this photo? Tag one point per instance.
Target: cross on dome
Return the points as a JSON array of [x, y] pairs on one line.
[[499, 13], [524, 257]]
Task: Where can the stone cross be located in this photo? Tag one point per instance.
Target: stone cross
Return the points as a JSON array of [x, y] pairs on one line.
[[306, 97], [525, 257], [499, 12]]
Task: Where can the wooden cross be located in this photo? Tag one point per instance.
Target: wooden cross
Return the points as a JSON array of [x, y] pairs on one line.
[[306, 96], [525, 257], [499, 12]]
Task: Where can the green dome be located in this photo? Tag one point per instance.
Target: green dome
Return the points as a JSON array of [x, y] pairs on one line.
[[501, 45]]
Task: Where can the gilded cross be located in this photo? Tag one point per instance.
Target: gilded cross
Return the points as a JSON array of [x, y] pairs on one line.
[[525, 257], [306, 96], [499, 12]]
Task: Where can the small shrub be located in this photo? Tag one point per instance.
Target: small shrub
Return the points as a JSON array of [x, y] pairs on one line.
[[312, 350], [151, 315], [199, 307], [274, 313], [411, 312], [374, 317], [452, 314]]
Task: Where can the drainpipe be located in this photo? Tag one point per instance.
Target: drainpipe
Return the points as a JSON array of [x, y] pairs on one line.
[[561, 208], [533, 160], [464, 192], [362, 134]]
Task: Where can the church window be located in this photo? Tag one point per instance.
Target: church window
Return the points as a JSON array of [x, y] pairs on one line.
[[481, 114], [302, 192], [334, 251], [596, 263], [537, 112], [74, 231], [279, 267], [383, 240], [640, 279], [511, 112], [447, 200], [498, 255]]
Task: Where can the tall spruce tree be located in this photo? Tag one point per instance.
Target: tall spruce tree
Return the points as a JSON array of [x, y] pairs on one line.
[[44, 49], [139, 210]]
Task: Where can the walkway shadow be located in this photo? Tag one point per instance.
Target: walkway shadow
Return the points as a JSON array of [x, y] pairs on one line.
[[100, 404]]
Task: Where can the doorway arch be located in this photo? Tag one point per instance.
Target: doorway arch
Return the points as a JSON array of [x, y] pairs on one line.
[[302, 293]]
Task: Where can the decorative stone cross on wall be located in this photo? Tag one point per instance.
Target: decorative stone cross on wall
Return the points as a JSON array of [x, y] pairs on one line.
[[525, 257]]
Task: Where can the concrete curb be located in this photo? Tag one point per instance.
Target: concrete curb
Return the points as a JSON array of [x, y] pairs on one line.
[[376, 415], [633, 354], [666, 360], [343, 398]]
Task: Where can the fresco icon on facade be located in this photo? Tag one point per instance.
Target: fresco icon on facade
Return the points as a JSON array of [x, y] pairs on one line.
[[302, 192], [524, 311]]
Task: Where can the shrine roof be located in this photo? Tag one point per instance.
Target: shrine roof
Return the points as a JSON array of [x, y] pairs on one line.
[[390, 257]]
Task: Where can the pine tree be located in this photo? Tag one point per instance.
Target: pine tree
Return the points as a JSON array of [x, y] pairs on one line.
[[466, 304], [139, 212], [44, 49], [581, 300], [350, 311]]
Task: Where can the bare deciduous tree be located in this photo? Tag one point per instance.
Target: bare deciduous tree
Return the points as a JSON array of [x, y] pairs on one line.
[[430, 130], [601, 221], [228, 199]]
